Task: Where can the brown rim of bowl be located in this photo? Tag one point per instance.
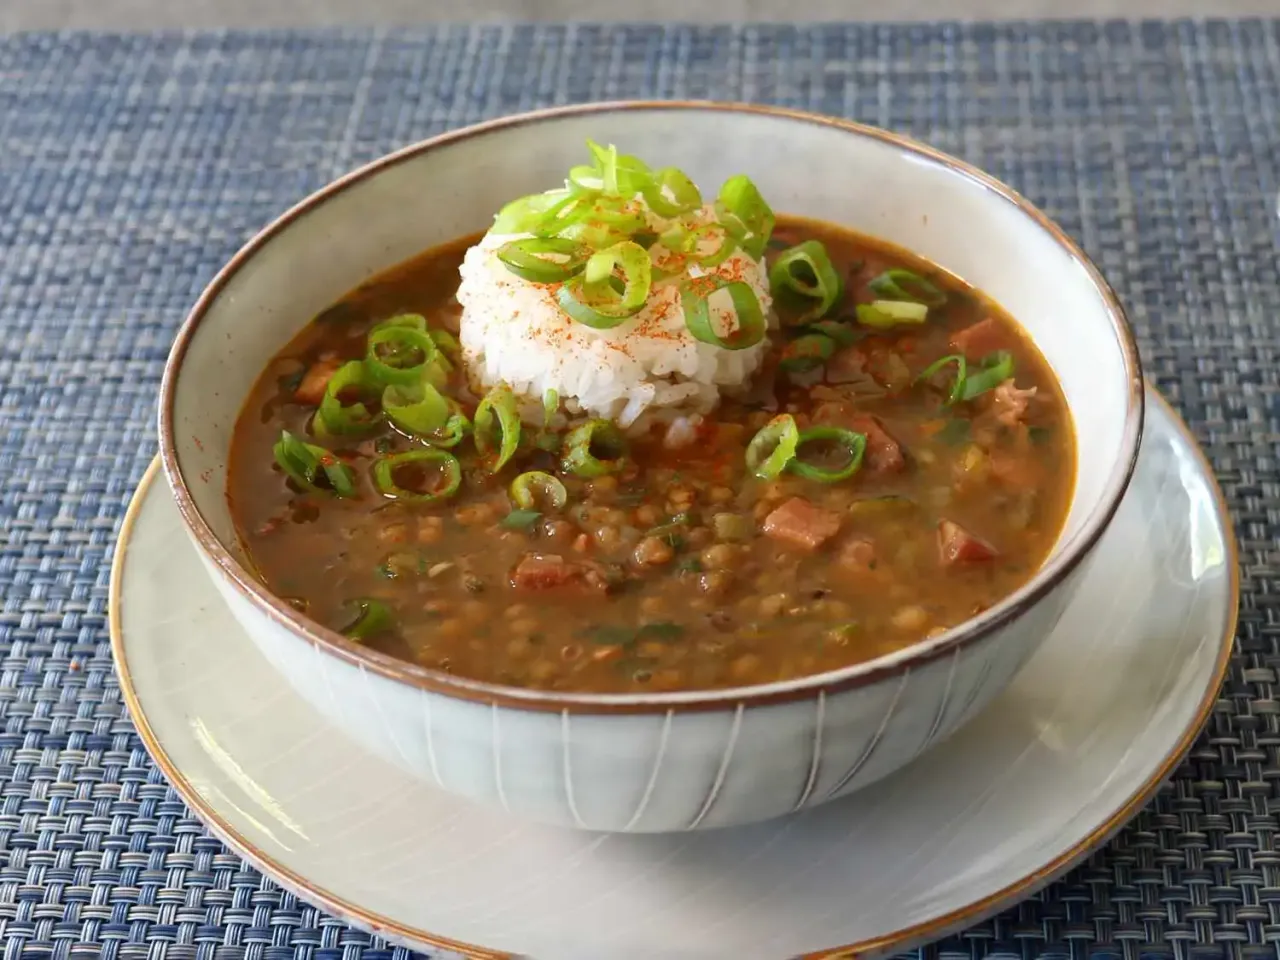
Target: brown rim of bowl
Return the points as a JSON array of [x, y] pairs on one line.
[[895, 941], [1046, 579]]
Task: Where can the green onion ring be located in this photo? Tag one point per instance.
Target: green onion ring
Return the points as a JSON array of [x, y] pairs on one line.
[[373, 617], [841, 333], [996, 368], [962, 370], [773, 447], [408, 339], [304, 462], [384, 470], [783, 276], [527, 259], [591, 299], [550, 405], [416, 408], [695, 298], [745, 214], [500, 404], [894, 285], [526, 214], [453, 432], [334, 418], [533, 486], [684, 194], [885, 314], [854, 443], [578, 457], [806, 353]]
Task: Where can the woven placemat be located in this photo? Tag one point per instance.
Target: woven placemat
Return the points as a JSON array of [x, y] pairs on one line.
[[131, 168]]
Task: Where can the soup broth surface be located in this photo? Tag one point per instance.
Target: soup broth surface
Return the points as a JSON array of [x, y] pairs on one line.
[[682, 570]]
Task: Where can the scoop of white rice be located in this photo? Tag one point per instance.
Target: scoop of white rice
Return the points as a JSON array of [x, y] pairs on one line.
[[512, 330]]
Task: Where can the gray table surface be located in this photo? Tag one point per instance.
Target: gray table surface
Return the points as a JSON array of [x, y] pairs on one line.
[[158, 14]]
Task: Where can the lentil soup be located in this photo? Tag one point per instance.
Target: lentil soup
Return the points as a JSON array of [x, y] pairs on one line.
[[573, 557]]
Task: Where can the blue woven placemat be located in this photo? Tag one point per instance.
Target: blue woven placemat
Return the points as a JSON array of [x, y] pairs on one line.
[[131, 168]]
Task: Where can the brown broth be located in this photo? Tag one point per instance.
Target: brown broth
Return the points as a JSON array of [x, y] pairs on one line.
[[676, 576]]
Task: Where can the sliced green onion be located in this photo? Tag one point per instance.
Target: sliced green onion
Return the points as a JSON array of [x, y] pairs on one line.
[[337, 418], [591, 298], [305, 463], [607, 164], [684, 242], [899, 284], [995, 369], [526, 214], [695, 297], [450, 471], [534, 487], [550, 404], [604, 435], [843, 334], [544, 259], [671, 183], [619, 173], [447, 344], [500, 404], [773, 447], [520, 519], [791, 271], [806, 353], [745, 214], [407, 352], [453, 432], [854, 443], [417, 408], [883, 314], [372, 617]]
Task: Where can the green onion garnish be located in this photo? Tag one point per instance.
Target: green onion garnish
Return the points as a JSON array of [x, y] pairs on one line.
[[854, 443], [538, 212], [335, 417], [745, 214], [398, 354], [592, 299], [500, 404], [520, 519], [670, 193], [695, 297], [806, 352], [454, 430], [794, 268], [843, 334], [550, 404], [449, 472], [416, 408], [995, 369], [899, 284], [372, 617], [447, 344], [305, 464], [534, 487], [604, 436], [773, 447], [883, 314], [544, 259]]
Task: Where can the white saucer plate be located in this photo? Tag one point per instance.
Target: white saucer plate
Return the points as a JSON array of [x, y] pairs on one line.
[[1053, 767]]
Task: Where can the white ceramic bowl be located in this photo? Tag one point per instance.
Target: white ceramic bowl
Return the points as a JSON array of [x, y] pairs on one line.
[[672, 761]]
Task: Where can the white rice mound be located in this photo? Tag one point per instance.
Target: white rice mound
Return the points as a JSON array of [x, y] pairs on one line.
[[647, 369]]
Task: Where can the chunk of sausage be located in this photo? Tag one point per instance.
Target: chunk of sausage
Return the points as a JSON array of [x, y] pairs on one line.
[[315, 380], [1009, 403], [800, 524], [958, 545], [980, 339], [539, 571]]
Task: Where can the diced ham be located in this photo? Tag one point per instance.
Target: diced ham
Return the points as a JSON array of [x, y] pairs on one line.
[[884, 454], [1009, 403], [548, 571], [980, 339], [315, 380], [799, 523], [958, 545]]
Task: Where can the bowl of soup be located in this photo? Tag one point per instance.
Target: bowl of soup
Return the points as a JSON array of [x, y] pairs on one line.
[[653, 466]]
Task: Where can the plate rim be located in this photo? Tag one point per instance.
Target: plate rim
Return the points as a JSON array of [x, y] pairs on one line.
[[921, 932]]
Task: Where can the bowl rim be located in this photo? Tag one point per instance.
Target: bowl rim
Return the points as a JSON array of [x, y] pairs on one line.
[[970, 631]]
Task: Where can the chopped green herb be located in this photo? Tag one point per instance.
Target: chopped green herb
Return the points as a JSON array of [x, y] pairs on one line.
[[660, 630], [521, 519], [689, 565], [608, 635]]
